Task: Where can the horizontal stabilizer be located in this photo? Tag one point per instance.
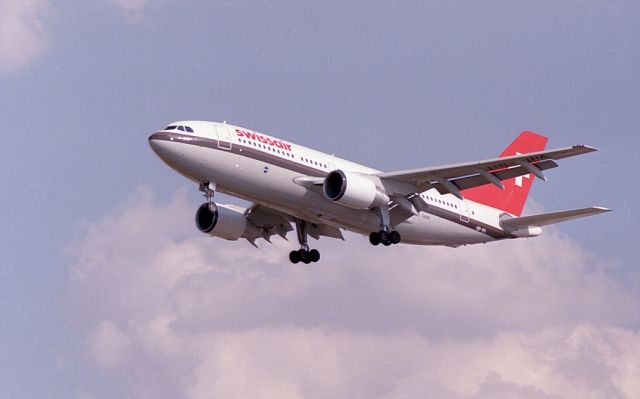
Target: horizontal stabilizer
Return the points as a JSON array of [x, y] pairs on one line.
[[546, 219]]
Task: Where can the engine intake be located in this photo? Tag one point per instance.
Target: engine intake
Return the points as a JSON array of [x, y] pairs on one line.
[[353, 190], [224, 221]]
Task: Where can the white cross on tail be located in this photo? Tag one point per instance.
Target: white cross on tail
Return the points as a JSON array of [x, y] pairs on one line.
[[519, 178]]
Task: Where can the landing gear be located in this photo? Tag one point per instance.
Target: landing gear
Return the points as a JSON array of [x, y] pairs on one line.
[[209, 189], [303, 255], [384, 236]]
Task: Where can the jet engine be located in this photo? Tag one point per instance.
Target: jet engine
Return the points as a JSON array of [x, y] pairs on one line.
[[224, 221], [353, 190]]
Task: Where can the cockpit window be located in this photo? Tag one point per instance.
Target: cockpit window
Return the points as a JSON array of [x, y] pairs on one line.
[[179, 127]]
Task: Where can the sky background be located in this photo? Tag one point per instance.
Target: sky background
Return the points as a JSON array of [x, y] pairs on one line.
[[107, 289]]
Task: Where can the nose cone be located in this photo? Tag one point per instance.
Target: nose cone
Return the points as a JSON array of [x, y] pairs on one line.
[[154, 141], [170, 151]]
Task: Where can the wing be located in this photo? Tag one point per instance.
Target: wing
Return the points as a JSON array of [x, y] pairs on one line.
[[403, 187], [270, 222], [454, 178]]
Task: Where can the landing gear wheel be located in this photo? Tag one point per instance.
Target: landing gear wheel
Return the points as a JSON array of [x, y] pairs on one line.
[[384, 237], [394, 237], [315, 255], [305, 256], [294, 257]]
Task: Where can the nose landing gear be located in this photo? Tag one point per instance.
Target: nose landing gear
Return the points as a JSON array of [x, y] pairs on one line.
[[209, 189]]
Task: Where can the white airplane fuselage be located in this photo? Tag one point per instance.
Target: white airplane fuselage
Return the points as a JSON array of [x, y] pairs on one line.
[[262, 169]]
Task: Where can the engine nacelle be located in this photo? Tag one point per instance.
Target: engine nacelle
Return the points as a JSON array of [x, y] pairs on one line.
[[353, 190], [226, 221]]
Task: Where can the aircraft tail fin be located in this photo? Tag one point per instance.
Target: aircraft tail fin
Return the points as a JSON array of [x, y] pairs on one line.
[[546, 219], [512, 198]]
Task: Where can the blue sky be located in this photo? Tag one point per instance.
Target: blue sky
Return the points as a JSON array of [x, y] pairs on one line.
[[390, 84]]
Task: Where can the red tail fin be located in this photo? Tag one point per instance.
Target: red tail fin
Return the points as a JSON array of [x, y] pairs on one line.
[[516, 190]]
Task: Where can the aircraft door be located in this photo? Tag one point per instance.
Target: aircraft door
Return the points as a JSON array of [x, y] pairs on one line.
[[464, 211], [224, 139]]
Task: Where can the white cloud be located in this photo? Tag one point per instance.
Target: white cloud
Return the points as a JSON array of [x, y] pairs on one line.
[[190, 316], [22, 34], [131, 5], [108, 344]]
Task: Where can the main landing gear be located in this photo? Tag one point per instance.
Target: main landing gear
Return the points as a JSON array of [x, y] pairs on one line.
[[303, 255], [384, 236]]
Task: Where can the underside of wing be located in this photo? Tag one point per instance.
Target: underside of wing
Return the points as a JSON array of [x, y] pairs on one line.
[[270, 222]]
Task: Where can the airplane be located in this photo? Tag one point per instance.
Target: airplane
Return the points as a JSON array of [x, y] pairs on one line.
[[322, 195]]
